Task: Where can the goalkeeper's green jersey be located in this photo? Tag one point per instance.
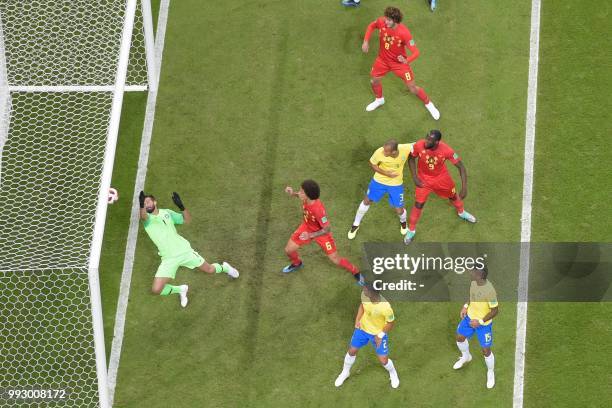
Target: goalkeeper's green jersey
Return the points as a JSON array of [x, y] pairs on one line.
[[162, 232]]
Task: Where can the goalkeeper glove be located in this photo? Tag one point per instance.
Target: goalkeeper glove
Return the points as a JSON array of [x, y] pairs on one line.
[[177, 200], [141, 198]]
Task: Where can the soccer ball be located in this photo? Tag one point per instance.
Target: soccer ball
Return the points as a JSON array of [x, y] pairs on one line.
[[113, 195]]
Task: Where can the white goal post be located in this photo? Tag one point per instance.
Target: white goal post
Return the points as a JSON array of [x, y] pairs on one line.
[[64, 67]]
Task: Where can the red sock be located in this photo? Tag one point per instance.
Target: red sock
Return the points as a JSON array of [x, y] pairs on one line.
[[295, 258], [344, 263], [458, 205], [423, 96], [415, 214], [377, 88]]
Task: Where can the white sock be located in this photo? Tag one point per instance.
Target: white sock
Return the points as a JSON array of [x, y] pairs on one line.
[[490, 360], [357, 1], [390, 367], [348, 362], [464, 347], [403, 216], [361, 211]]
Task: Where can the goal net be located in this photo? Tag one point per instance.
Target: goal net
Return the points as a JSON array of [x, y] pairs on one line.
[[63, 68]]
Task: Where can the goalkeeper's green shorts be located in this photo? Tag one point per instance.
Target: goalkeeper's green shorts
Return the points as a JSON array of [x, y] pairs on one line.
[[169, 265]]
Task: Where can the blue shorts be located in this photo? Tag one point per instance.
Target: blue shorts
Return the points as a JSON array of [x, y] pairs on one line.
[[361, 338], [484, 333], [376, 191]]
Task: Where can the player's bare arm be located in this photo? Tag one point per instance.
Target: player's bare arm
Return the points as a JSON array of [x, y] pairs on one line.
[[186, 216], [358, 317], [386, 330], [289, 190], [413, 171], [492, 313], [463, 175], [323, 231], [381, 171], [464, 309]]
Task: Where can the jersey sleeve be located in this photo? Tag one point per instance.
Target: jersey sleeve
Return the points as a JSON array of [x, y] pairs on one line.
[[176, 217], [389, 315], [416, 148], [321, 217], [377, 156], [374, 25], [452, 156], [406, 148], [411, 45], [492, 301]]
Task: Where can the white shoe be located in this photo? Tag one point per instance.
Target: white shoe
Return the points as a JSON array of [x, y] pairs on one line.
[[377, 102], [183, 295], [435, 113], [233, 272], [490, 379], [462, 361], [467, 216], [394, 380], [342, 377]]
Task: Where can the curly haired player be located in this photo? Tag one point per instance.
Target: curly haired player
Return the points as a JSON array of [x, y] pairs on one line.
[[394, 38]]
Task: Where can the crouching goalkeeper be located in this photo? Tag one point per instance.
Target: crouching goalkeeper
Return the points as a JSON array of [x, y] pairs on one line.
[[175, 251]]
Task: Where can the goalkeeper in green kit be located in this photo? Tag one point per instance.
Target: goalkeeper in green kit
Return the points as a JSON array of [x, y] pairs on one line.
[[175, 251]]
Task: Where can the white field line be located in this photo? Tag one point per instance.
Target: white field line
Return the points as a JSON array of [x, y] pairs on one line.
[[130, 249], [523, 285], [74, 88]]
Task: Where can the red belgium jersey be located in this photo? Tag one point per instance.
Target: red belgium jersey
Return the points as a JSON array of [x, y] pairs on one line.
[[393, 41], [315, 218], [431, 161]]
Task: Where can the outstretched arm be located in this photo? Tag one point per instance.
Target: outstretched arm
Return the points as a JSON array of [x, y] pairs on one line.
[[289, 190], [179, 203], [365, 47], [463, 175], [143, 212]]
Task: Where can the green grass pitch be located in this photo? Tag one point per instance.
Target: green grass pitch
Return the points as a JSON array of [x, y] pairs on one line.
[[255, 96]]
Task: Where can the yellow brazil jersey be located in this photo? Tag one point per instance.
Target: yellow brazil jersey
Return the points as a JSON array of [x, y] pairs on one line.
[[375, 315], [394, 164], [482, 299]]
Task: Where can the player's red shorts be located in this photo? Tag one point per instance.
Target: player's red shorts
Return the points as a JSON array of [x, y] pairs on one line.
[[381, 67], [326, 242], [442, 186]]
